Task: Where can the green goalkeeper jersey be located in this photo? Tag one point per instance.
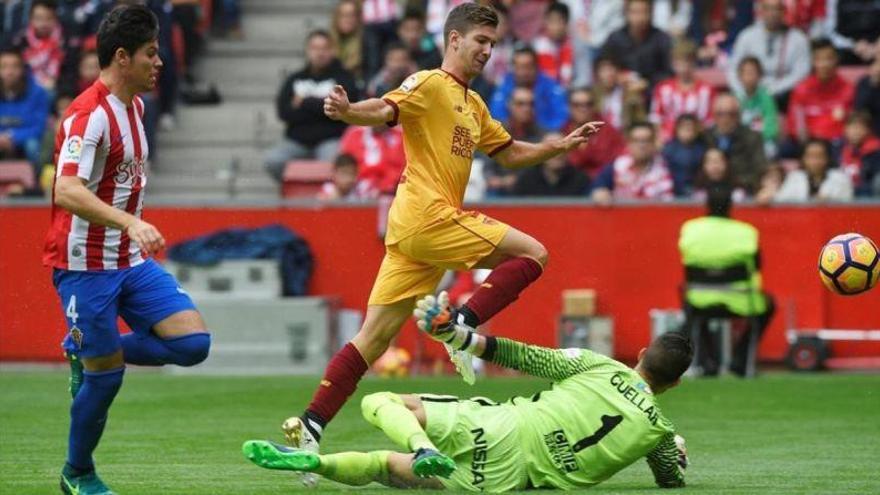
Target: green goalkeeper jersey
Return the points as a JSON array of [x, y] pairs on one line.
[[598, 417]]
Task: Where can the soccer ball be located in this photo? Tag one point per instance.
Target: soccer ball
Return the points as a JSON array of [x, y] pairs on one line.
[[393, 364], [849, 264]]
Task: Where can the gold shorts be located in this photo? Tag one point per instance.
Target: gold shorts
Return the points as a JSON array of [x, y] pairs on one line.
[[414, 265]]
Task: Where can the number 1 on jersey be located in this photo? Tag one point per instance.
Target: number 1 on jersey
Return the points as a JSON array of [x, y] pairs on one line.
[[71, 309], [608, 424]]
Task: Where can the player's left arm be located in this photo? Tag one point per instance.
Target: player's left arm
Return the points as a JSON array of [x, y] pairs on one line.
[[521, 154], [668, 461]]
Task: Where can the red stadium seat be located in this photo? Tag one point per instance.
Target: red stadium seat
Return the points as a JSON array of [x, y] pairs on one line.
[[304, 178], [15, 173], [712, 76]]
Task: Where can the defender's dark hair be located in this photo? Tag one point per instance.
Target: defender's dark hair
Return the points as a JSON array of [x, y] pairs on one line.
[[127, 27], [467, 15], [667, 358]]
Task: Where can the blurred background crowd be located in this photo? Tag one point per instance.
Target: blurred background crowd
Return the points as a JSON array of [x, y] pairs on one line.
[[779, 99]]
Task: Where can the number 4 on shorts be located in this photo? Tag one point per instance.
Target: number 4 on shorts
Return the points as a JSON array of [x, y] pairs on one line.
[[71, 309]]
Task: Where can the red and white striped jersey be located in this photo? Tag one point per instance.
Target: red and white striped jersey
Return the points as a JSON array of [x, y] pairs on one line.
[[102, 142], [671, 100]]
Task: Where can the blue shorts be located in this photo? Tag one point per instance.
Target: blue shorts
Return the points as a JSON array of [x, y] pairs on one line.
[[142, 295]]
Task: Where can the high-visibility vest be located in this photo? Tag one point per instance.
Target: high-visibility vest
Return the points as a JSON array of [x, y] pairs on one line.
[[716, 243]]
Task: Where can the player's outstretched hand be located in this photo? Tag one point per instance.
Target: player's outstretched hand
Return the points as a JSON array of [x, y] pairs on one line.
[[336, 103], [581, 135], [146, 236], [432, 316], [682, 452]]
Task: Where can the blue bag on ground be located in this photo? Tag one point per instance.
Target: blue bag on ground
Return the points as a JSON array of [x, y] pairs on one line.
[[270, 242]]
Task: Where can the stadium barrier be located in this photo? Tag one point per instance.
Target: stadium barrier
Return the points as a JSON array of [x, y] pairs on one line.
[[628, 254]]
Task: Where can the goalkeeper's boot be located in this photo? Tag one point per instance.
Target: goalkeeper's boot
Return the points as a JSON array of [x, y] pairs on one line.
[[429, 462], [299, 437], [76, 373], [437, 318], [82, 484], [271, 455]]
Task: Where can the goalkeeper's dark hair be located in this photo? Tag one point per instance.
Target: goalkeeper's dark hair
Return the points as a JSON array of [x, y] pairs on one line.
[[127, 27], [467, 16], [667, 358]]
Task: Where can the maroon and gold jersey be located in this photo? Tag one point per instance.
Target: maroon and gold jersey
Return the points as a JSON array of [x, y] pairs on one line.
[[444, 123]]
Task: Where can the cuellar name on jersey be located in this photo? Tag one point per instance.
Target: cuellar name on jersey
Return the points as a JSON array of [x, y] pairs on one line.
[[635, 397]]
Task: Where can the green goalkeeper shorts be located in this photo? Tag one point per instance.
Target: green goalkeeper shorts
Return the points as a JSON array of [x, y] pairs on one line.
[[482, 438]]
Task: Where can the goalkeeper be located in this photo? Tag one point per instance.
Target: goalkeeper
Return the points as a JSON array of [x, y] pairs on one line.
[[598, 417]]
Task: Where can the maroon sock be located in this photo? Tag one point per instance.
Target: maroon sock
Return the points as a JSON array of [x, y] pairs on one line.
[[340, 380], [502, 287]]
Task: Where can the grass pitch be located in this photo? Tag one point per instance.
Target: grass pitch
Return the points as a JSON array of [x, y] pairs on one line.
[[798, 434]]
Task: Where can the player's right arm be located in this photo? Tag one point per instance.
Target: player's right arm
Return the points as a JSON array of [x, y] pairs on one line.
[[75, 162], [667, 461], [372, 112]]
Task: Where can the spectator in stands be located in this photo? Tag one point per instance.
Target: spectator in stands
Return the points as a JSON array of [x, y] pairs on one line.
[[771, 181], [228, 19], [672, 16], [715, 172], [411, 32], [681, 94], [43, 43], [526, 17], [684, 153], [554, 47], [807, 15], [854, 29], [300, 104], [24, 110], [380, 28], [619, 96], [590, 24], [379, 154], [550, 108], [344, 184], [641, 173], [88, 70], [816, 179], [347, 31], [744, 147], [555, 177], [758, 106], [860, 157], [639, 46], [868, 94], [603, 147], [820, 103], [398, 65], [522, 125], [784, 52]]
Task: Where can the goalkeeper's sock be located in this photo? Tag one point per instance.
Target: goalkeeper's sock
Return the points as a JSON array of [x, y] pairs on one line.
[[501, 288], [355, 468], [386, 411]]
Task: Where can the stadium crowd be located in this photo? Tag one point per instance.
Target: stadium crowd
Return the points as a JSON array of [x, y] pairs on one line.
[[780, 99], [751, 94], [48, 55]]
